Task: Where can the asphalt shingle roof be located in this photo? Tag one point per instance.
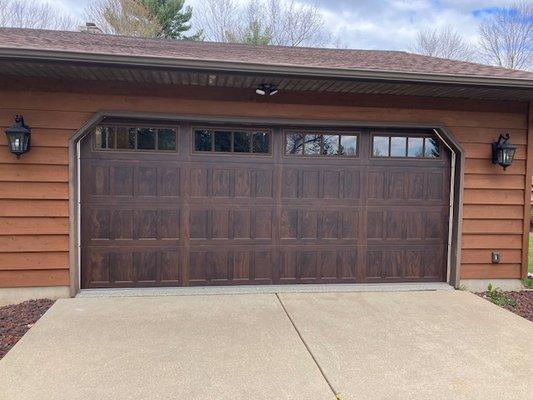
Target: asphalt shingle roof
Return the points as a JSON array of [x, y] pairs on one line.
[[368, 60]]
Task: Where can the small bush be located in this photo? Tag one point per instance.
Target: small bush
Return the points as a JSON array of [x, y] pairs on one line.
[[498, 297]]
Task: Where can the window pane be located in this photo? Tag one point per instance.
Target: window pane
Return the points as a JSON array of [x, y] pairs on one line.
[[222, 141], [261, 142], [398, 146], [166, 139], [431, 148], [331, 144], [203, 140], [312, 144], [104, 137], [125, 138], [415, 147], [146, 139], [348, 145], [381, 146], [294, 143], [242, 142]]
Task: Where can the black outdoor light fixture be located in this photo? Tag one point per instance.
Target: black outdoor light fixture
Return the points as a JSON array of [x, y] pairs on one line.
[[503, 152], [18, 137], [266, 89]]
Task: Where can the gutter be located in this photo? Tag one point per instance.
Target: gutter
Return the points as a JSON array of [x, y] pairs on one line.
[[96, 59]]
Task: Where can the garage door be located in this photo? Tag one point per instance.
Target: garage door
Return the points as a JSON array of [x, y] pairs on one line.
[[197, 204]]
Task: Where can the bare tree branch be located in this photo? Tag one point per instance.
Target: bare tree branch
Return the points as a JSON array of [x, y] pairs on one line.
[[506, 37], [443, 43], [123, 17], [218, 20], [278, 22], [33, 15]]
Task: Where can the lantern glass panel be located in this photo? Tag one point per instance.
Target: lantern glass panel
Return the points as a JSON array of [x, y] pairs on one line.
[[18, 142]]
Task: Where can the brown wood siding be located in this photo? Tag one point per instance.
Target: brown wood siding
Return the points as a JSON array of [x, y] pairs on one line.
[[34, 190]]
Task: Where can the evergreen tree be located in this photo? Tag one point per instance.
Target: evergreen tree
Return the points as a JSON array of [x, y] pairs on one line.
[[172, 17]]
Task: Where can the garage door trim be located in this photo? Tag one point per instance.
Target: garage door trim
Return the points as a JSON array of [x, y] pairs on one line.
[[109, 117]]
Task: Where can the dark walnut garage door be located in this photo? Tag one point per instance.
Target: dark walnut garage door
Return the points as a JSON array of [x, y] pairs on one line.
[[225, 205]]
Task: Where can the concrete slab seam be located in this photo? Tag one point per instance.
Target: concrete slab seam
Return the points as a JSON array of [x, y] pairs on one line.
[[335, 393]]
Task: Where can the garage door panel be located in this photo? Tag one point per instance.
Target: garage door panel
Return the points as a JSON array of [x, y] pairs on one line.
[[263, 184], [410, 226], [306, 183], [226, 224], [394, 221], [122, 223], [126, 267], [405, 263], [112, 179], [325, 224], [407, 186], [436, 187], [146, 181], [121, 180], [416, 186], [231, 182], [312, 264], [331, 184], [110, 224], [214, 266], [99, 178], [169, 180]]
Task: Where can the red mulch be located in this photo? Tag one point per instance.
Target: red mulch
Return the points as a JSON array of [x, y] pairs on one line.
[[17, 319], [524, 303]]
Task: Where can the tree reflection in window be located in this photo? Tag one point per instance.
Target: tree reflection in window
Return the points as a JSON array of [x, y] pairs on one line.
[[402, 146], [134, 138], [224, 141], [325, 144], [431, 148]]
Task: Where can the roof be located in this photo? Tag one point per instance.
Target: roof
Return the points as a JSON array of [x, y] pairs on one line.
[[92, 45]]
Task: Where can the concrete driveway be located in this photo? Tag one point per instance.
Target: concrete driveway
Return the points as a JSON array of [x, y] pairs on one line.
[[410, 345]]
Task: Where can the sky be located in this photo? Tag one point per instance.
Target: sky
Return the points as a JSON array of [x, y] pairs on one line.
[[379, 24]]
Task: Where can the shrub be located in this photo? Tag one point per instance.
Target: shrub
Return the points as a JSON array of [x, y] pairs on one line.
[[498, 297]]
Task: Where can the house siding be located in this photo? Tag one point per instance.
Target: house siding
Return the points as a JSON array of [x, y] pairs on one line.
[[34, 191]]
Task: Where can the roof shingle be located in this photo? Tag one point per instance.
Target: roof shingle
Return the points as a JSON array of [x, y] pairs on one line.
[[366, 60]]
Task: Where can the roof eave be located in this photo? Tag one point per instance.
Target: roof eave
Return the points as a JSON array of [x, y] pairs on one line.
[[268, 69]]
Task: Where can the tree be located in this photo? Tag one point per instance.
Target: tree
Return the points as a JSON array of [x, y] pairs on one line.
[[123, 17], [170, 16], [33, 15], [506, 37], [278, 22], [443, 43], [255, 30], [145, 18]]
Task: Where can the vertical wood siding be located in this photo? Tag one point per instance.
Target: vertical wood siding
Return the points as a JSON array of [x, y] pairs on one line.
[[34, 190]]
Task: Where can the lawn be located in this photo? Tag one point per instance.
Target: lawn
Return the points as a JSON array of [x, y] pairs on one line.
[[530, 253]]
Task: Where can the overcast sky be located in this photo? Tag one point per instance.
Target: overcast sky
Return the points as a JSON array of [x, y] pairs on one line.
[[380, 24]]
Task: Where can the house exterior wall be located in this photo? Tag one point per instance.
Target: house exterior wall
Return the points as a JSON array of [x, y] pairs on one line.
[[34, 191]]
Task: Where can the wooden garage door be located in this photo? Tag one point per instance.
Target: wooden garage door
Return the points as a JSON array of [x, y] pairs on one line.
[[206, 205]]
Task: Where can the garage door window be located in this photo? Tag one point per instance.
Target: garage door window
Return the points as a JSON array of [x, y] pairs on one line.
[[132, 139], [405, 146], [321, 144], [231, 141]]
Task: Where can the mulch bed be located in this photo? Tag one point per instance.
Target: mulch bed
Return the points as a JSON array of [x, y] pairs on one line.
[[524, 303], [17, 319]]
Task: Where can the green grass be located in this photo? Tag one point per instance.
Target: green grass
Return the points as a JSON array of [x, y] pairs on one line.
[[530, 253]]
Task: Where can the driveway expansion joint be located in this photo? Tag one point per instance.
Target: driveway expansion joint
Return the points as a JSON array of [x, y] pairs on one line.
[[335, 393]]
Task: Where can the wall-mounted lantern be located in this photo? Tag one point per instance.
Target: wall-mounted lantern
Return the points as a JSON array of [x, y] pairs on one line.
[[503, 152], [18, 137]]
